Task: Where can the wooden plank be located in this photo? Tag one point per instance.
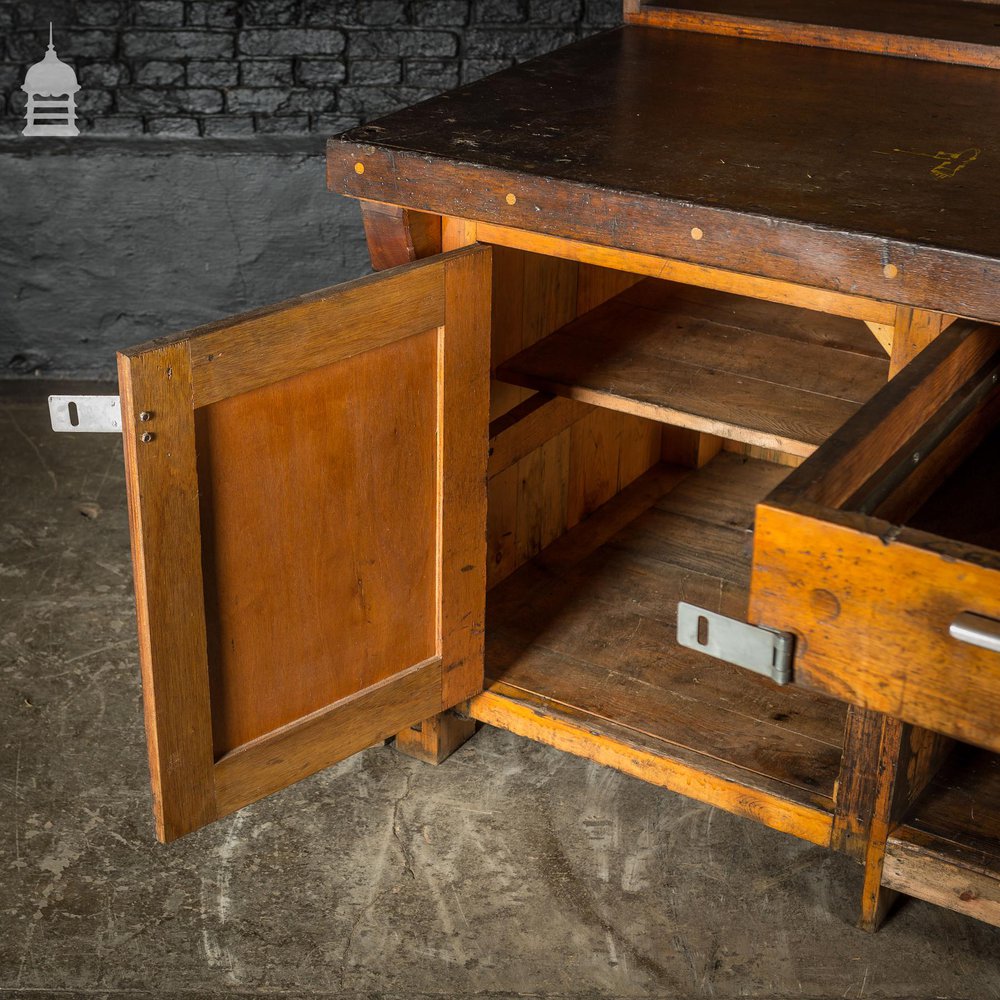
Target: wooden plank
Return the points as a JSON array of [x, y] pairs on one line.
[[911, 30], [855, 200], [682, 446], [591, 623], [360, 600], [528, 426], [541, 296], [541, 509], [628, 752], [307, 745], [934, 871], [162, 482], [794, 322], [672, 363], [673, 269], [569, 475], [866, 637], [507, 336], [593, 463], [961, 807], [501, 525], [640, 448], [246, 352], [397, 236], [858, 449], [912, 331], [463, 420], [598, 284], [457, 233]]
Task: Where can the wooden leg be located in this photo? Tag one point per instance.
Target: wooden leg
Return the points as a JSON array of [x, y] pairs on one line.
[[437, 738], [886, 765], [399, 235], [913, 330], [692, 449]]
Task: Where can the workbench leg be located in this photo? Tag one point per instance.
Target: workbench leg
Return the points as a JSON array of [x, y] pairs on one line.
[[398, 235], [912, 331], [437, 738], [885, 767]]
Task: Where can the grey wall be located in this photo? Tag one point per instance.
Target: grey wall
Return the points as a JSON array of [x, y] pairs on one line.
[[105, 247], [196, 187]]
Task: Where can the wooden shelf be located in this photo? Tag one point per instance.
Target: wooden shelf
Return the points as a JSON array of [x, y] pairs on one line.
[[762, 373], [585, 636], [915, 29], [948, 850]]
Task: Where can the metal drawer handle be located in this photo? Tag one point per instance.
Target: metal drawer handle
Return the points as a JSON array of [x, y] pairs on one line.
[[977, 630]]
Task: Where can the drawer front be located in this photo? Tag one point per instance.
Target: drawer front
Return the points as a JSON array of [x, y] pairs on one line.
[[872, 614], [872, 598]]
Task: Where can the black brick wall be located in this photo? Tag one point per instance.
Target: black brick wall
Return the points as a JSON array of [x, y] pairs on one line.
[[220, 68]]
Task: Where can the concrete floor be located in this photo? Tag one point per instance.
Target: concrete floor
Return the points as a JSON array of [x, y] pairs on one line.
[[511, 870]]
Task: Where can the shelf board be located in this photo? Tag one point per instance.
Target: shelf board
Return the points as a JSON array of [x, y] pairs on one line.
[[948, 849], [762, 373], [915, 29], [584, 635]]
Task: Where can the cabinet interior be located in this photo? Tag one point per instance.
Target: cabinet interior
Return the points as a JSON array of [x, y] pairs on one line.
[[635, 427]]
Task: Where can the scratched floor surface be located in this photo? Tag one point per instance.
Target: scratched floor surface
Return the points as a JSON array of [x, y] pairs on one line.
[[510, 870]]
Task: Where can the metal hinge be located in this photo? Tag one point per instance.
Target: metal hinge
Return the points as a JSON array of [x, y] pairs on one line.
[[763, 650], [86, 414]]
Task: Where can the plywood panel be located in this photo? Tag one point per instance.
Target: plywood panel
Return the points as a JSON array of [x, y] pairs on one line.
[[308, 551]]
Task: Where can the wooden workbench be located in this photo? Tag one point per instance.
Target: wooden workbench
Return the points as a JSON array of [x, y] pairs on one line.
[[643, 299]]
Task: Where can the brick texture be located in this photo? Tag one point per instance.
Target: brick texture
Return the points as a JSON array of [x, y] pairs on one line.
[[236, 69]]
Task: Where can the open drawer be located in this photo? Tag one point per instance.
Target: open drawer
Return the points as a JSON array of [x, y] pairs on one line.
[[881, 553]]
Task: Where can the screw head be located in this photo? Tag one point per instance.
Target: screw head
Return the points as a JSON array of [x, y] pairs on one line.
[[146, 438], [145, 415]]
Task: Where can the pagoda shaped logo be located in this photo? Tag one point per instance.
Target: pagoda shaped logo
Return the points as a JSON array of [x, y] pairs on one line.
[[51, 88]]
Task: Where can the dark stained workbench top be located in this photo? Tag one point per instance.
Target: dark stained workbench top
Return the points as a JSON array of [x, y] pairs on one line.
[[802, 163]]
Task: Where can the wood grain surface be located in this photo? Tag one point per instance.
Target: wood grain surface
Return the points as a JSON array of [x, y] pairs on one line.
[[590, 624], [309, 529], [161, 477], [777, 163], [755, 372], [913, 29]]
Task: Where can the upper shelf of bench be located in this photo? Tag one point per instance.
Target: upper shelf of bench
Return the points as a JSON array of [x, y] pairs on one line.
[[865, 174], [941, 30]]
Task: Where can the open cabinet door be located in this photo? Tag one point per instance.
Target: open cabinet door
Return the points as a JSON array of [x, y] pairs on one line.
[[307, 501]]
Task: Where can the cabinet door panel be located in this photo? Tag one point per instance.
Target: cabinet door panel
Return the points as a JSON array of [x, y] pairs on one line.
[[307, 501]]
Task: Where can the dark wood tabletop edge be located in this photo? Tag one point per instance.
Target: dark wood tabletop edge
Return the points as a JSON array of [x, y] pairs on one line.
[[820, 35], [909, 272]]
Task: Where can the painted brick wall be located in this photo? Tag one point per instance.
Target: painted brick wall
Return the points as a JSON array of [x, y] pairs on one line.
[[219, 68]]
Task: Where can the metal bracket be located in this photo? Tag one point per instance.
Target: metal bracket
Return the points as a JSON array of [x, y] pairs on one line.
[[86, 414], [763, 650]]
